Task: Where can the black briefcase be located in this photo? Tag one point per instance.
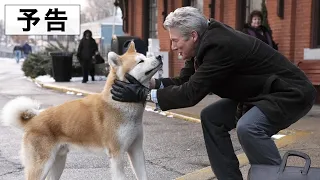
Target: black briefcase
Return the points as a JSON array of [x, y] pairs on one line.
[[283, 172]]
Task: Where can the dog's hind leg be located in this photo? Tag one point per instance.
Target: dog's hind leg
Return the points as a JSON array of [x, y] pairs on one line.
[[59, 164], [38, 156], [117, 167], [137, 157]]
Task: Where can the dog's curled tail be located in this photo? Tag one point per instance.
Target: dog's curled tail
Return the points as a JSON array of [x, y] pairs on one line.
[[19, 111]]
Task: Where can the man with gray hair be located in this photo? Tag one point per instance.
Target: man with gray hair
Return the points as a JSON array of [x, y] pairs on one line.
[[261, 91]]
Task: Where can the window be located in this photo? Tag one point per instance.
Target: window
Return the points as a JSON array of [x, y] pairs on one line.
[[212, 7], [186, 3], [194, 3], [241, 15], [197, 4], [153, 16], [315, 24]]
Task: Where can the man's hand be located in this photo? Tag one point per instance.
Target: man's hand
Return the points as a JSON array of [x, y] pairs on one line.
[[154, 83], [129, 92]]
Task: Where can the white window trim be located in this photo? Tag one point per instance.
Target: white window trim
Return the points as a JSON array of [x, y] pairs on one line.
[[311, 54]]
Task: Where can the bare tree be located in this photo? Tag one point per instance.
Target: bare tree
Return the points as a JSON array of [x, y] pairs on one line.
[[83, 17], [99, 9]]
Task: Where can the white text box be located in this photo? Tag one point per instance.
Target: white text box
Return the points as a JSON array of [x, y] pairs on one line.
[[44, 26]]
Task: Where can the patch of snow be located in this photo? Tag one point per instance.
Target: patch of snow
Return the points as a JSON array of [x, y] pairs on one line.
[[38, 84], [97, 78], [70, 92], [278, 136], [76, 79], [8, 60], [148, 109], [151, 109], [45, 79], [49, 79], [100, 78], [29, 79]]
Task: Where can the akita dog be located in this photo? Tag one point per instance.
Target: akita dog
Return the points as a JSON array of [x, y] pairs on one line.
[[95, 122]]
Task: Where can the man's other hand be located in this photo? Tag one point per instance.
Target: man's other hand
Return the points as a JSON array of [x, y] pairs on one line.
[[133, 91]]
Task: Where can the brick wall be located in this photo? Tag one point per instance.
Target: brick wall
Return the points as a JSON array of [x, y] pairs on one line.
[[229, 13], [206, 9], [303, 28], [293, 32], [219, 11], [135, 18], [165, 44]]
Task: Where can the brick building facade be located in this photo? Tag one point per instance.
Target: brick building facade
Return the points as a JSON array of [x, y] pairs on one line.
[[297, 27], [295, 24]]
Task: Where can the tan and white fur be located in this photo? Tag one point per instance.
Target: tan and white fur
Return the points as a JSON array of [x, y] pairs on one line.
[[95, 122]]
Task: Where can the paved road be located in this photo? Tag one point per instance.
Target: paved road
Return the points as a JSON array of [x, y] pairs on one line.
[[173, 147]]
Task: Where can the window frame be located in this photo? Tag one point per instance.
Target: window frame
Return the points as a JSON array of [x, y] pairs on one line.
[[153, 19]]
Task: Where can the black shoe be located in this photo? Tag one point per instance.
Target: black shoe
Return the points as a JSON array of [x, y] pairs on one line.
[[83, 81]]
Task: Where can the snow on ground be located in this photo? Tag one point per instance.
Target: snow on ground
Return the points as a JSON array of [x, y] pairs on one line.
[[49, 79], [45, 79], [10, 60]]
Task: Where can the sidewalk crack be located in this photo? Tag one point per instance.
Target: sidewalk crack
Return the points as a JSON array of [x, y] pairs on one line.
[[11, 172], [18, 167], [165, 167]]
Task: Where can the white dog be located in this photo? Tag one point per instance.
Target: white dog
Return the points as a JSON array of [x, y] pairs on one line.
[[95, 122]]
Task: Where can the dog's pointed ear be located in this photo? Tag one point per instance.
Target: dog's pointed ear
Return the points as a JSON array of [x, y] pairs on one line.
[[132, 47], [114, 59]]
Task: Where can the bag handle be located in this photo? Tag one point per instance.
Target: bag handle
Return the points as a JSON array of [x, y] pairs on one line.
[[298, 154]]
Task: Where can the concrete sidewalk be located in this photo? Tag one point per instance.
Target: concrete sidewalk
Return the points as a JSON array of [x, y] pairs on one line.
[[302, 136]]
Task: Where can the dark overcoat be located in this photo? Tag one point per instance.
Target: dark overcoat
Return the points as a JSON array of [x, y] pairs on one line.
[[234, 65]]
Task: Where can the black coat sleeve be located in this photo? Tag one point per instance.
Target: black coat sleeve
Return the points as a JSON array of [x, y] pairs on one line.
[[186, 72], [95, 46], [274, 44], [269, 31], [79, 49], [217, 64], [245, 30]]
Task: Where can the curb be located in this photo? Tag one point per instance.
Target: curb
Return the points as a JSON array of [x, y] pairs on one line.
[[206, 173], [178, 116], [85, 93], [61, 88]]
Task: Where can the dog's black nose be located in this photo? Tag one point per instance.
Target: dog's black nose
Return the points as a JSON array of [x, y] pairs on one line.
[[159, 58]]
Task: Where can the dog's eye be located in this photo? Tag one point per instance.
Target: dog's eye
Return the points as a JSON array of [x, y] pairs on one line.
[[141, 61]]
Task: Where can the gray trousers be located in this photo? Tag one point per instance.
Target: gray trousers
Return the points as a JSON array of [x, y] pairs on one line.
[[254, 132]]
